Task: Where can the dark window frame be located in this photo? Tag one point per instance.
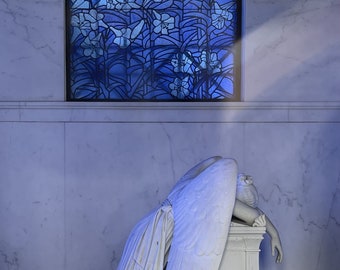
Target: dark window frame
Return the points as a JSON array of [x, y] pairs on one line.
[[236, 67]]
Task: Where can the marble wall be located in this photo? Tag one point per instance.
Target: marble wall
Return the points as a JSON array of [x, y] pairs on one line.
[[75, 177], [291, 50]]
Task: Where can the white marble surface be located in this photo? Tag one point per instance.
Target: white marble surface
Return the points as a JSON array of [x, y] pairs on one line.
[[130, 167], [169, 112], [242, 250], [70, 205], [298, 178], [32, 50], [291, 50], [69, 172], [31, 196]]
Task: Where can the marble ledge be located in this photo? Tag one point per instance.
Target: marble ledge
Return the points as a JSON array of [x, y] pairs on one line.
[[170, 112]]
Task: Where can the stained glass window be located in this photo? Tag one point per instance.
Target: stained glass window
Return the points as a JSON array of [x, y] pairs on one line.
[[153, 50]]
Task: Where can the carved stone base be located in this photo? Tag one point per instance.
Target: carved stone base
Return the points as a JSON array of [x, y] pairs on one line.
[[242, 249]]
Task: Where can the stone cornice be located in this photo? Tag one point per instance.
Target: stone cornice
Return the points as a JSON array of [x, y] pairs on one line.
[[168, 112]]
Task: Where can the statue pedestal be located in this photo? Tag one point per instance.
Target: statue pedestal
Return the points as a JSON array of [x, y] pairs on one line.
[[242, 249]]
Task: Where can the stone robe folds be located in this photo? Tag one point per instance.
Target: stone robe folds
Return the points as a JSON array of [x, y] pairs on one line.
[[149, 242], [189, 231]]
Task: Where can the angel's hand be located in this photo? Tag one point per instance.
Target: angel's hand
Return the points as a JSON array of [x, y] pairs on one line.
[[276, 245], [260, 221]]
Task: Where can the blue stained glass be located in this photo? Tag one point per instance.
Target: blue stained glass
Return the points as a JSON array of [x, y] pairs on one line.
[[153, 50]]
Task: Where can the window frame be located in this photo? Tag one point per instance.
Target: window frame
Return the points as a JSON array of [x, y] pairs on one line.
[[237, 66]]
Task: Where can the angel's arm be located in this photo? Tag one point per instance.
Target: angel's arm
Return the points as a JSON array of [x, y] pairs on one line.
[[248, 214]]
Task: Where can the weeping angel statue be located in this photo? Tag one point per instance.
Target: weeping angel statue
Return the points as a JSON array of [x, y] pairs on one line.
[[190, 229]]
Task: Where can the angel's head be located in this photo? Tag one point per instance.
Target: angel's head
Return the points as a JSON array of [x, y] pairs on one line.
[[244, 179], [246, 191]]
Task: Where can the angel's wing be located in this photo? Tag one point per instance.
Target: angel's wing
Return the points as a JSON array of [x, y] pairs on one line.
[[202, 213], [190, 175]]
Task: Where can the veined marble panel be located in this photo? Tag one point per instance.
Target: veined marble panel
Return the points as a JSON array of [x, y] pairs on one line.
[[32, 50], [31, 196], [296, 169], [291, 51], [118, 168], [117, 173]]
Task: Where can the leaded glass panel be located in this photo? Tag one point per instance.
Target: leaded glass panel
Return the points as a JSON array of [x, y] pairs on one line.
[[153, 50]]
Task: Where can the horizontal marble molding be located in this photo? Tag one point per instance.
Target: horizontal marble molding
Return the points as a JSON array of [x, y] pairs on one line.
[[168, 112]]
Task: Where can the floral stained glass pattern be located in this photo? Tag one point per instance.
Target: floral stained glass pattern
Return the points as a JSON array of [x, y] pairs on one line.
[[153, 50]]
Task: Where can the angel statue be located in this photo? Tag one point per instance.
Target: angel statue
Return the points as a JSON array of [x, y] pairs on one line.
[[189, 230]]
